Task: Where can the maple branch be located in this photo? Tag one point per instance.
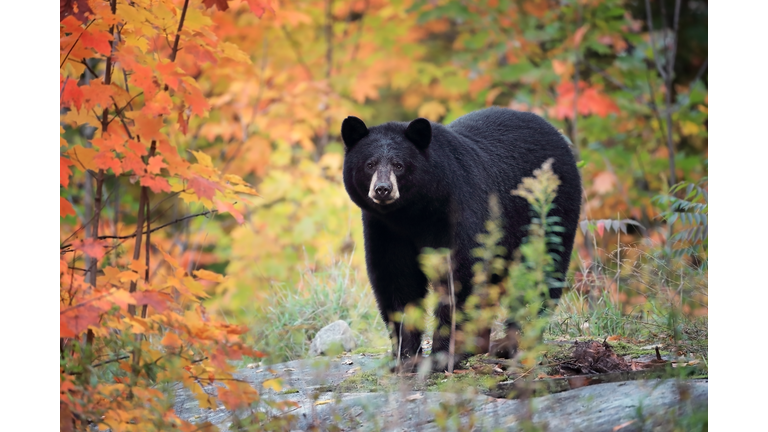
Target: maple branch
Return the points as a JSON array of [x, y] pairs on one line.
[[87, 66], [122, 120], [182, 219], [127, 105], [175, 48], [75, 43]]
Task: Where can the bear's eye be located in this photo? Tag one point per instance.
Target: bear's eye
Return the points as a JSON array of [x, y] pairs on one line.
[[369, 165], [399, 166]]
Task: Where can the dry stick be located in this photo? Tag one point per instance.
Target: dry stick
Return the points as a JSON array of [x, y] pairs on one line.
[[452, 339]]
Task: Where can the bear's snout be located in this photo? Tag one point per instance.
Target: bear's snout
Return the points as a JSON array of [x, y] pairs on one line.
[[383, 189]]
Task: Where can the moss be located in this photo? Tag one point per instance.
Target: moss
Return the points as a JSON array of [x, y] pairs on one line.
[[365, 382], [371, 351]]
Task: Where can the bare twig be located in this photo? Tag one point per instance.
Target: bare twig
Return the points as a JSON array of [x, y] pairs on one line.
[[650, 34]]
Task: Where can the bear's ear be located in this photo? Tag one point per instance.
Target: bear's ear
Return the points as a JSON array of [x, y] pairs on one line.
[[419, 132], [352, 130]]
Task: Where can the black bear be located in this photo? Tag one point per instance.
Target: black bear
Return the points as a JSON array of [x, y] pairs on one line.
[[423, 184]]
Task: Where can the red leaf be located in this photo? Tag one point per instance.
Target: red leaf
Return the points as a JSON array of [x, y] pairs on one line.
[[195, 99], [76, 8], [203, 188], [220, 4], [260, 6], [65, 208], [589, 101], [131, 162], [157, 184], [91, 247], [72, 94], [106, 160], [225, 207], [99, 40], [159, 301], [600, 228], [139, 148], [183, 124], [64, 171]]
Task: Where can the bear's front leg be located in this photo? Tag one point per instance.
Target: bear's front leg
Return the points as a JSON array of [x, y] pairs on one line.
[[397, 281]]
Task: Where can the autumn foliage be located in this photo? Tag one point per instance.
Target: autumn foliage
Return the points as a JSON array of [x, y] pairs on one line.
[[199, 138]]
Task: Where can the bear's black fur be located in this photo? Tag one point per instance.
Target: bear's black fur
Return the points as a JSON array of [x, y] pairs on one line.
[[432, 189]]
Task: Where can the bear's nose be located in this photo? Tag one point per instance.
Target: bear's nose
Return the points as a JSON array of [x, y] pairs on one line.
[[383, 190]]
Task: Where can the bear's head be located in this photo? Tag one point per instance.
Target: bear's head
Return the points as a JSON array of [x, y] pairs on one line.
[[382, 164]]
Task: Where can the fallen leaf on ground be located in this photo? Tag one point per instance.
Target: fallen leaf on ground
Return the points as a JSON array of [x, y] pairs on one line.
[[323, 402], [414, 397]]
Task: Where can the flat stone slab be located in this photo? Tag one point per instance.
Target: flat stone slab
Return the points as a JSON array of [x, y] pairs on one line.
[[628, 406]]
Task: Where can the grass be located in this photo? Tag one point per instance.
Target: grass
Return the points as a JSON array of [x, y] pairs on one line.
[[290, 317]]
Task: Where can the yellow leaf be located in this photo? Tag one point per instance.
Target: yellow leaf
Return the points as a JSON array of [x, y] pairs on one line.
[[232, 51], [202, 158], [78, 118], [275, 384], [323, 402], [196, 20], [689, 128], [432, 110], [208, 275]]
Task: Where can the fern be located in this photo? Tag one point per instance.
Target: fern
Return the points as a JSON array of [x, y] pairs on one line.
[[691, 211]]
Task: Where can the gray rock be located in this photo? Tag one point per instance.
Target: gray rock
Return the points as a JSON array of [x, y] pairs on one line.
[[335, 334], [631, 406]]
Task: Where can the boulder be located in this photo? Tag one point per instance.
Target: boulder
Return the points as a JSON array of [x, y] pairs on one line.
[[337, 334]]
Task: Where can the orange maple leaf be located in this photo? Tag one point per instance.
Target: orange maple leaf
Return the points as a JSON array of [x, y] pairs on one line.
[[225, 207], [106, 160], [99, 40], [149, 127], [131, 162], [156, 183], [65, 208], [91, 247], [64, 171], [139, 148], [155, 165], [97, 93], [71, 95]]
